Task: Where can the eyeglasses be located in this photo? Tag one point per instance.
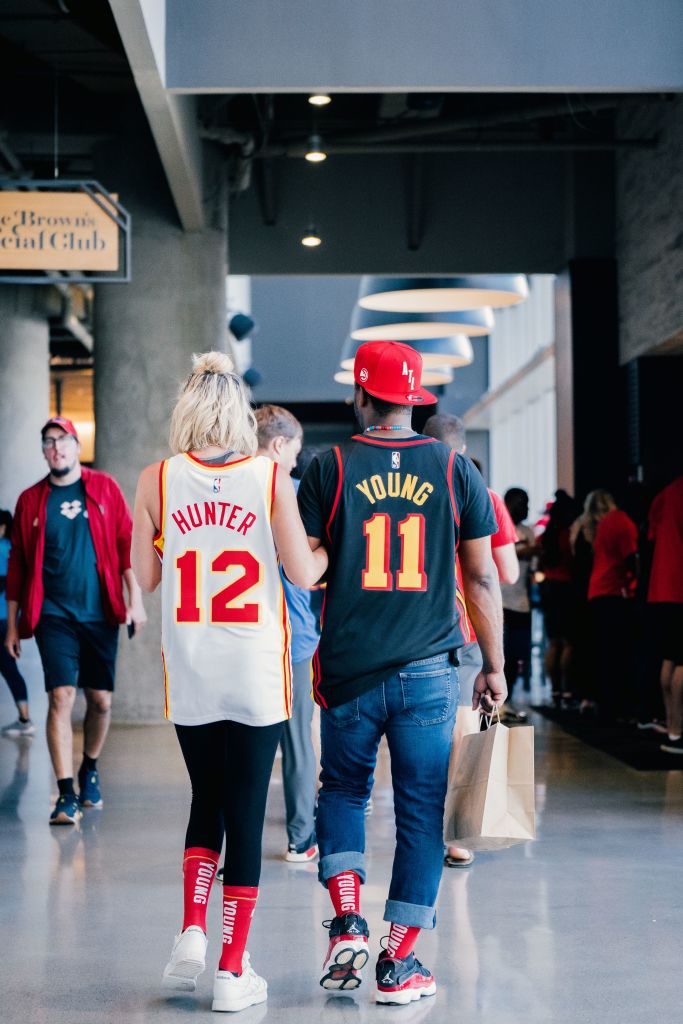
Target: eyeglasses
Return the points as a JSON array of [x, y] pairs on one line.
[[66, 441]]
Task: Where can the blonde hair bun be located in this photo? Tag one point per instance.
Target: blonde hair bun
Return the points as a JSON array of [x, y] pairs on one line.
[[213, 408], [211, 362]]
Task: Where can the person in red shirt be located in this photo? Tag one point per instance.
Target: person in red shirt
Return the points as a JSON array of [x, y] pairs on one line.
[[69, 562], [611, 589], [665, 596]]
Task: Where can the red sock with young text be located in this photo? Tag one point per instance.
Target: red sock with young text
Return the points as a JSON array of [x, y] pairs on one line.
[[199, 871], [344, 890], [401, 941], [239, 902]]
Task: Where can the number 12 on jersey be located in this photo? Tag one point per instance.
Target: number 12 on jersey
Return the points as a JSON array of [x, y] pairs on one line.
[[224, 606], [377, 574]]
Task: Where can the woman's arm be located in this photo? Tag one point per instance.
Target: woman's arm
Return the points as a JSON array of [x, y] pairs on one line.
[[144, 559], [304, 566]]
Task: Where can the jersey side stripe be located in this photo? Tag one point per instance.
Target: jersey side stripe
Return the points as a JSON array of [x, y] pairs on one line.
[[449, 472], [158, 541], [270, 489], [167, 696], [286, 658], [335, 503]]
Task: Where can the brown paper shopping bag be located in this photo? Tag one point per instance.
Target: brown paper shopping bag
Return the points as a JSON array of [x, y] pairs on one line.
[[490, 799]]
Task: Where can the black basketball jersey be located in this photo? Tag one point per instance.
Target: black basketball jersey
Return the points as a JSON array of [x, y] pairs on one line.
[[391, 513]]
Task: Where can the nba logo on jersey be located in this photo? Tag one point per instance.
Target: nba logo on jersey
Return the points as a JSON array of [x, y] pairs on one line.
[[217, 484], [395, 460]]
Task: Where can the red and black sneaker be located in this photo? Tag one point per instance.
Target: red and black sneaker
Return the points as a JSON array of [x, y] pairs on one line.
[[402, 980], [347, 952]]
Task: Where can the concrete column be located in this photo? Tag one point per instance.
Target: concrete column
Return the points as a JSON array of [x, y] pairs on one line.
[[24, 389], [145, 333]]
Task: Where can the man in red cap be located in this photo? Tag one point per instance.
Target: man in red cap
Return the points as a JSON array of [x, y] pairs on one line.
[[69, 561], [392, 507]]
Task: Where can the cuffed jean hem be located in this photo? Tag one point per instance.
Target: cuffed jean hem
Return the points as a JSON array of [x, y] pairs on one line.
[[334, 863], [412, 915]]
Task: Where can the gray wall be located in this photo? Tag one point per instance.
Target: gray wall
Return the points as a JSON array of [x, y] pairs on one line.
[[424, 44], [649, 238]]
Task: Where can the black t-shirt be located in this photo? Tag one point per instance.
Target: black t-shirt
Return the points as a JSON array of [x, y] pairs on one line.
[[70, 578], [391, 514]]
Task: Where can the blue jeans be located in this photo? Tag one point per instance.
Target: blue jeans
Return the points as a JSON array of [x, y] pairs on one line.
[[415, 707]]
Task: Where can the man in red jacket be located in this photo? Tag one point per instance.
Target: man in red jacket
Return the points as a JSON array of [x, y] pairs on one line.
[[70, 558]]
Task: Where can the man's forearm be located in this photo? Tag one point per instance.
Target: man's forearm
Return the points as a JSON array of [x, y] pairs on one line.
[[132, 586], [485, 609], [12, 612]]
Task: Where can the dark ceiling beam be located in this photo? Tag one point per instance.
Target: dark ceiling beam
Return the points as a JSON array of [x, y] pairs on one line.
[[298, 149], [442, 126], [265, 190], [415, 202]]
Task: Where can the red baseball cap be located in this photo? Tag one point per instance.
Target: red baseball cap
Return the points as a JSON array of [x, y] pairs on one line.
[[61, 422], [392, 372]]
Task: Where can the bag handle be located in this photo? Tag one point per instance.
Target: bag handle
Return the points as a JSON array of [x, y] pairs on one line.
[[489, 716]]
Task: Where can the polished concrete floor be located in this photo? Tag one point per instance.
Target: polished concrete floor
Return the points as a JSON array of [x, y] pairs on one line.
[[584, 925]]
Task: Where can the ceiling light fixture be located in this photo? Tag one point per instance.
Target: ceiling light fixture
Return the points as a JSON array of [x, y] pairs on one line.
[[315, 154], [441, 294], [319, 99], [310, 238], [372, 325]]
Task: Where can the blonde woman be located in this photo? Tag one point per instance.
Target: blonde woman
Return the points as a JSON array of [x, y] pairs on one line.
[[209, 525]]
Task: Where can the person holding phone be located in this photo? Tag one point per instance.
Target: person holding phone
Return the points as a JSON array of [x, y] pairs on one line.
[[68, 568], [209, 526]]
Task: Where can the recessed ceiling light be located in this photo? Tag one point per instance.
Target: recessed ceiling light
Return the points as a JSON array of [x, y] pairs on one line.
[[319, 99]]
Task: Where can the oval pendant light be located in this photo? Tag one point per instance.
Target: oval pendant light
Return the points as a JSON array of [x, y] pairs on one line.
[[441, 294], [372, 325]]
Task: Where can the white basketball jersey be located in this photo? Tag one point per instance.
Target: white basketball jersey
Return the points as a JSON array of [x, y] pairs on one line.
[[225, 634]]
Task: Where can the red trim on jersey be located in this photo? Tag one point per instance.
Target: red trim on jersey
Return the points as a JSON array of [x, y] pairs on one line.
[[273, 478], [390, 443], [449, 473], [217, 465], [167, 702], [158, 540], [286, 660], [340, 479]]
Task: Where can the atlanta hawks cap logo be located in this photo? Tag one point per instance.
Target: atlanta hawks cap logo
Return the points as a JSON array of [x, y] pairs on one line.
[[363, 375]]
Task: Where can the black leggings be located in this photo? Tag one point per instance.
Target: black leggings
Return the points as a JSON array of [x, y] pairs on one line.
[[229, 767]]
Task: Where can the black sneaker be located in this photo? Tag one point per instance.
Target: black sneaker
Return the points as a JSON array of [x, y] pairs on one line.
[[347, 952], [673, 746], [402, 980]]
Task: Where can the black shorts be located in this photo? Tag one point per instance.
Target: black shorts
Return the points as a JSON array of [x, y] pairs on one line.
[[667, 617], [77, 653]]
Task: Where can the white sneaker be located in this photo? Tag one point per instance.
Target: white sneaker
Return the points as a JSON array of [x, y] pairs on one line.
[[231, 993], [188, 960], [19, 728]]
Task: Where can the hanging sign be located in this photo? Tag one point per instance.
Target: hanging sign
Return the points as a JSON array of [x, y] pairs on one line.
[[83, 231]]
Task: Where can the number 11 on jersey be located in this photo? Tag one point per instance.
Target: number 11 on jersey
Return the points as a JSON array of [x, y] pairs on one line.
[[377, 574]]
